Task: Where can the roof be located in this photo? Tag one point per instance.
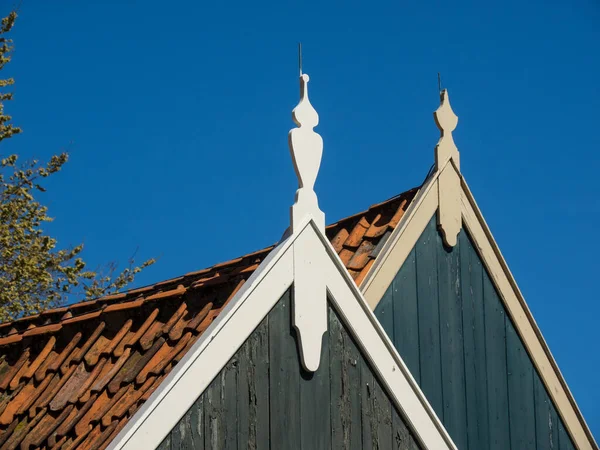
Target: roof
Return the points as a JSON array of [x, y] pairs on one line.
[[72, 377]]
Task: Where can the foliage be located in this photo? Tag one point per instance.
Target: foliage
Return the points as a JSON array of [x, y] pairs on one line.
[[34, 274]]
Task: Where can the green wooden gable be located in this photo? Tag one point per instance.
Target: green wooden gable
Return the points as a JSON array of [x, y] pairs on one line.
[[263, 399], [447, 321]]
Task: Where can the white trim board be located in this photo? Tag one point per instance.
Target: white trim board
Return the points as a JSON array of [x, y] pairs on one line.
[[403, 240], [165, 407]]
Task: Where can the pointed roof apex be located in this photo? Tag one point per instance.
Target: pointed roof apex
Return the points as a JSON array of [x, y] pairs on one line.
[[306, 147], [446, 121]]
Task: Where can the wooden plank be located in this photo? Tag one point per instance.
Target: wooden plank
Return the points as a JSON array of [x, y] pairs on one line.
[[284, 399], [230, 411], [196, 425], [368, 415], [166, 443], [220, 416], [429, 323], [220, 409], [406, 317], [546, 432], [553, 425], [253, 390], [345, 382], [471, 272], [521, 394], [187, 434], [495, 345], [213, 415], [385, 313], [340, 405], [246, 392], [383, 411], [564, 440], [403, 439], [260, 354], [352, 370], [315, 404], [178, 434], [452, 344]]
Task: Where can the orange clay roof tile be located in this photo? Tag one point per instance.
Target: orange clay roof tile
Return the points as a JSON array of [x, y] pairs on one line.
[[72, 377]]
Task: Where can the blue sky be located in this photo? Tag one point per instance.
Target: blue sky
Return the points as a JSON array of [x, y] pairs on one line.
[[176, 117]]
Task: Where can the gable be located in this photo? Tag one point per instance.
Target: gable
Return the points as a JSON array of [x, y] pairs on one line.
[[222, 340], [461, 209], [263, 398], [77, 375], [449, 324]]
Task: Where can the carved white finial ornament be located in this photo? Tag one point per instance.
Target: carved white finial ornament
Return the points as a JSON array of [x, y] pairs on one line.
[[309, 290], [447, 161], [306, 147]]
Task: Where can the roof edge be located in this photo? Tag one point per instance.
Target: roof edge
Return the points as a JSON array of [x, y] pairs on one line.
[[524, 321], [245, 311], [401, 242]]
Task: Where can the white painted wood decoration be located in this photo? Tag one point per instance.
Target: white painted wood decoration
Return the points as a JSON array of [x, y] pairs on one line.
[[447, 161], [306, 147], [309, 292]]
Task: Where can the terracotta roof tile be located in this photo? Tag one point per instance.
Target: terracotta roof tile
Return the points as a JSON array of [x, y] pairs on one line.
[[356, 236], [8, 371], [122, 306], [360, 259], [34, 331], [41, 357], [338, 241], [54, 362], [363, 273], [346, 255], [72, 377]]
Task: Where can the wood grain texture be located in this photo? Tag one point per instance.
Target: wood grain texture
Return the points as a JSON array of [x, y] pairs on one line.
[[188, 435], [471, 272], [452, 342], [429, 319], [490, 393], [263, 398], [284, 378], [383, 411], [385, 312], [368, 417], [521, 391], [345, 388], [253, 390], [406, 337], [402, 438], [315, 394], [166, 444], [495, 348], [215, 422], [546, 427], [564, 439]]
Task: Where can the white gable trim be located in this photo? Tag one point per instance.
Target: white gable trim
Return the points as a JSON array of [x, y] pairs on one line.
[[403, 240], [398, 246], [243, 314]]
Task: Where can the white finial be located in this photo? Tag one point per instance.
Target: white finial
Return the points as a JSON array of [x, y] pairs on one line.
[[446, 121], [447, 160], [310, 289], [306, 147]]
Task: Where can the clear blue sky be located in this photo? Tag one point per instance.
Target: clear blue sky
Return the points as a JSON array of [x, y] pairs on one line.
[[176, 116]]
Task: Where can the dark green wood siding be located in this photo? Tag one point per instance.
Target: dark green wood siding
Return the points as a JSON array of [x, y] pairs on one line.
[[263, 399], [449, 324]]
